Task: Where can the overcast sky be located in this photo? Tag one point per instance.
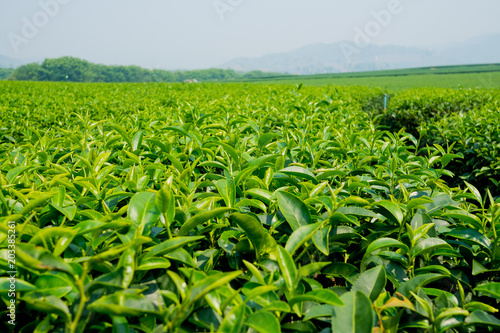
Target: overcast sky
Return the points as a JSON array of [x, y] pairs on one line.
[[188, 34]]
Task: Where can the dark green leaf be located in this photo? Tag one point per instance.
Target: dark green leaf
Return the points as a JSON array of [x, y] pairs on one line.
[[482, 318], [471, 235], [260, 238], [372, 282], [356, 315], [419, 281]]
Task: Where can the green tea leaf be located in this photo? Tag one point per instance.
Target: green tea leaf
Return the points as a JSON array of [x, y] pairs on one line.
[[439, 202], [428, 245], [355, 316], [13, 173], [206, 285], [294, 210], [263, 322], [165, 203], [287, 268], [418, 281], [325, 296], [300, 172], [21, 285], [47, 304], [143, 212], [372, 282], [227, 191], [418, 202], [492, 288], [482, 318], [170, 245], [471, 235], [200, 218], [234, 320], [300, 236], [383, 243], [475, 191], [390, 210], [356, 211], [124, 304], [318, 311], [260, 238]]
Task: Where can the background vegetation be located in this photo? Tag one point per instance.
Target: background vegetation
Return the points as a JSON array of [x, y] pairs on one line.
[[68, 69], [466, 76], [5, 73]]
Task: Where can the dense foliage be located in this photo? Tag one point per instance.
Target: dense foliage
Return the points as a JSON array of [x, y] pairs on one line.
[[465, 121], [237, 208], [411, 108], [5, 73], [68, 69]]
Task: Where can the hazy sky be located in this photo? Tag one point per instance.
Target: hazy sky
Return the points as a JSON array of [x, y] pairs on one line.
[[185, 34]]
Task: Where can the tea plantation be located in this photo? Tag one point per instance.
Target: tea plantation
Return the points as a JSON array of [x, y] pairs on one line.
[[248, 208]]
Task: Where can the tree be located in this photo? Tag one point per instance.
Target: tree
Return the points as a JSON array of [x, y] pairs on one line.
[[77, 70], [65, 69], [29, 72]]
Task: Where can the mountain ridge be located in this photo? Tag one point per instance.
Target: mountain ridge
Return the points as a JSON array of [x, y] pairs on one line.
[[345, 56]]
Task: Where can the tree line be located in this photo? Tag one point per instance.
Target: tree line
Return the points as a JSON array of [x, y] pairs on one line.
[[72, 69], [5, 73]]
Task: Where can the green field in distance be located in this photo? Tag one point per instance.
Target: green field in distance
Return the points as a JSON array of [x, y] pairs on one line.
[[466, 76]]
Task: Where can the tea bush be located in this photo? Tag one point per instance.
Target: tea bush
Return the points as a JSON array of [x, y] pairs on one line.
[[411, 108], [463, 122], [234, 208], [476, 135]]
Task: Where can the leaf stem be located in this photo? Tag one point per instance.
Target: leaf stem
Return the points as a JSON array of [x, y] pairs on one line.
[[83, 298], [167, 225], [304, 251]]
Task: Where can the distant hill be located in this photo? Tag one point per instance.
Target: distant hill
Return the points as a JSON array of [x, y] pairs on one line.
[[344, 57]]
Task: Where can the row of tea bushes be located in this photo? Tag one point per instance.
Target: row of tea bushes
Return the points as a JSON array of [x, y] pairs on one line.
[[234, 208]]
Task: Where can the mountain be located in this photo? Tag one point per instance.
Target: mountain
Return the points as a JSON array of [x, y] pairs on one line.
[[7, 62], [348, 57]]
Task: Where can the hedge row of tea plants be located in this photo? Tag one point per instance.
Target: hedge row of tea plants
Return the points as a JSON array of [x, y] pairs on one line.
[[235, 208], [475, 134], [411, 108], [464, 122]]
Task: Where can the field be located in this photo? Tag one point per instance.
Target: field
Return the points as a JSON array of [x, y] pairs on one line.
[[467, 76], [249, 208]]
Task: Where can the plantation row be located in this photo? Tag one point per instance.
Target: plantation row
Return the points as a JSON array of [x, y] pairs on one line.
[[249, 208]]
